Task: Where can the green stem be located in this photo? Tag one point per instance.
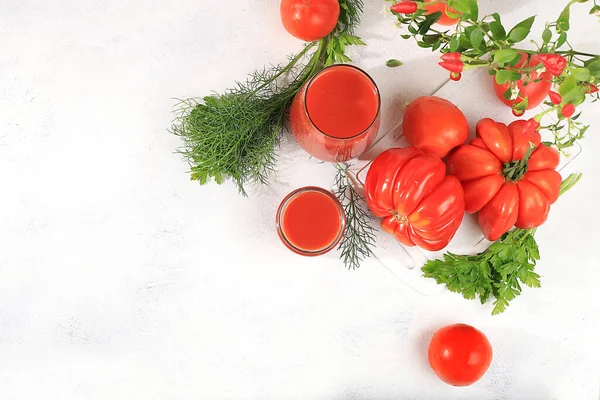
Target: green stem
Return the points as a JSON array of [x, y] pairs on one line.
[[569, 182], [539, 116], [287, 68], [576, 53]]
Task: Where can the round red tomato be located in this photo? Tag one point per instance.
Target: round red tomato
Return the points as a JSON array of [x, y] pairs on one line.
[[435, 125], [417, 202], [508, 176], [459, 354], [445, 19], [535, 92], [309, 20]]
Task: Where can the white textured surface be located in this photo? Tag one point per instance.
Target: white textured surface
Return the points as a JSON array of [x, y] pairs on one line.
[[120, 279]]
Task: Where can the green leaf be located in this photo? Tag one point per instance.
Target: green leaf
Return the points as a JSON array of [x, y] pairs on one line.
[[546, 36], [430, 20], [393, 63], [594, 67], [218, 178], [499, 306], [412, 29], [581, 74], [464, 41], [451, 14], [575, 96], [521, 30], [504, 75], [422, 44], [507, 94], [503, 56], [562, 39], [468, 8], [562, 23], [431, 39], [462, 6], [498, 32], [405, 36], [474, 14], [476, 38], [594, 10], [567, 85], [454, 43]]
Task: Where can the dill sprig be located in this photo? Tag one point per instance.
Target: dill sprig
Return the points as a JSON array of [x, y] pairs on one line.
[[234, 135], [359, 236]]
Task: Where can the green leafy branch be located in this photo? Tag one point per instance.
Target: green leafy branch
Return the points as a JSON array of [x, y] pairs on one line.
[[486, 42]]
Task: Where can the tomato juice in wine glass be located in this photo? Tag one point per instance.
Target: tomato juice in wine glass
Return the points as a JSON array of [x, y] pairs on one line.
[[335, 115], [310, 221]]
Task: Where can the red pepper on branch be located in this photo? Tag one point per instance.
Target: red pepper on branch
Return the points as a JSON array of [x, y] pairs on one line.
[[554, 63], [593, 89], [453, 63], [555, 98], [405, 7]]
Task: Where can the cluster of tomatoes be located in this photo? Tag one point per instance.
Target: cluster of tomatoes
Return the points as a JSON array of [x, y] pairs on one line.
[[505, 174]]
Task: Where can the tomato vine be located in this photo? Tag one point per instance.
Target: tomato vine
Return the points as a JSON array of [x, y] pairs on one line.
[[484, 42]]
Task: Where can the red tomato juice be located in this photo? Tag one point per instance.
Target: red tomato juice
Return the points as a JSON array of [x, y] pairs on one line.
[[342, 102], [335, 116], [310, 220]]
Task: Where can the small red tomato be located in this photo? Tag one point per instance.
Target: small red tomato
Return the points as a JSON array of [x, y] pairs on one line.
[[309, 20], [434, 125], [459, 354], [441, 7], [535, 92]]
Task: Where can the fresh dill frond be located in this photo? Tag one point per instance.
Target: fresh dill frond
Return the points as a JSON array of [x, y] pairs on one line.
[[359, 236], [234, 134]]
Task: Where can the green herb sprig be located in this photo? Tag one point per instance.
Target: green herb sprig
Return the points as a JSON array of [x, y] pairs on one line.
[[359, 236], [499, 271], [234, 135]]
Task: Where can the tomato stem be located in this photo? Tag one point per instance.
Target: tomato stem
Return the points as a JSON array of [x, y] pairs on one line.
[[514, 170], [402, 219]]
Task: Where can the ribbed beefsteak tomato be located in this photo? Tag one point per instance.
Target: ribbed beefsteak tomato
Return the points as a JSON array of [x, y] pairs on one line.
[[418, 203], [508, 176]]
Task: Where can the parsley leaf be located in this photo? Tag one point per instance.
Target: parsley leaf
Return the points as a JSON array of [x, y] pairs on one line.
[[498, 271]]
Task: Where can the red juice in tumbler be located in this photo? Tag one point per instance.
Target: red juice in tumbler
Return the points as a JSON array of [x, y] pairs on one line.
[[335, 116], [310, 221]]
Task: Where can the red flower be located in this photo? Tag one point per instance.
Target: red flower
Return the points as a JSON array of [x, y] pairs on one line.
[[568, 110], [593, 89], [554, 63], [405, 7], [555, 98]]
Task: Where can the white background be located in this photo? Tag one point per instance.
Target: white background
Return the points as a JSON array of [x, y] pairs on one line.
[[122, 279]]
